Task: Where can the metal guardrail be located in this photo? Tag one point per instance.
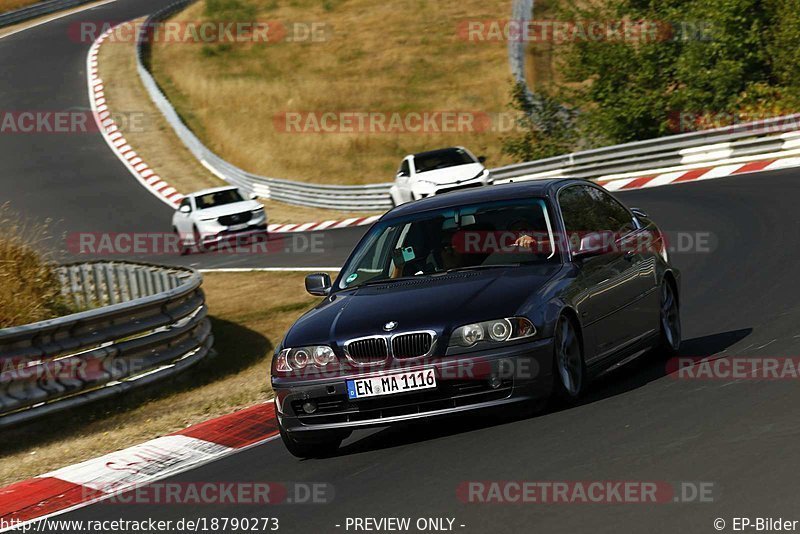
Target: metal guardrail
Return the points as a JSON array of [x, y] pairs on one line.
[[745, 139], [717, 144], [37, 10], [144, 323]]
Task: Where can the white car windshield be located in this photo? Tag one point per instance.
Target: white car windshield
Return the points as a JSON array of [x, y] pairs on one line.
[[478, 236], [218, 198], [441, 159]]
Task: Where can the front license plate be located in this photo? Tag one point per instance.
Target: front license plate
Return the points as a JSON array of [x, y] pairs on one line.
[[391, 384], [237, 227]]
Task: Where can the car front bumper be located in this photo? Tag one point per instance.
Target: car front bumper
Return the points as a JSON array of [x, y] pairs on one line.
[[426, 189], [224, 234], [473, 381]]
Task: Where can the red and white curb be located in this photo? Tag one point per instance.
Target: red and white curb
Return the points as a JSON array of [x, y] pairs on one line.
[[101, 478], [325, 225], [116, 141], [699, 173], [142, 171]]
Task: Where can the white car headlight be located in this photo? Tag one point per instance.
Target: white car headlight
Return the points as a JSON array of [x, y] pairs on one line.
[[498, 330], [318, 356]]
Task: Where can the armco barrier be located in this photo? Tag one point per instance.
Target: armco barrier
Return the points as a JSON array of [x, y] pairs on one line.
[[746, 139], [37, 10], [771, 136], [144, 323]]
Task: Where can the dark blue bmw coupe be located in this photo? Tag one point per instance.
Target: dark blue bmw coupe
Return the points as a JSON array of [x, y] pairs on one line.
[[480, 298]]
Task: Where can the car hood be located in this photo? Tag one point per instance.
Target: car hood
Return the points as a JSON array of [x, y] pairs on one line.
[[452, 175], [229, 209], [438, 303]]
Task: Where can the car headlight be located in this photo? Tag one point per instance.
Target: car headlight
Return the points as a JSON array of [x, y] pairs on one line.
[[498, 330], [258, 210], [318, 356]]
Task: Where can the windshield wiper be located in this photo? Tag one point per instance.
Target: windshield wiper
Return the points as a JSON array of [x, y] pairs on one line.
[[481, 267], [383, 281]]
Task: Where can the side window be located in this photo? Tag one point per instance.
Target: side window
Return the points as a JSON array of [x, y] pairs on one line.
[[186, 202], [589, 209], [576, 207], [404, 169], [611, 213]]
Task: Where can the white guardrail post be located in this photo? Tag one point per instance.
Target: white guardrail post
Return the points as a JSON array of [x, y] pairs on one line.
[[143, 323]]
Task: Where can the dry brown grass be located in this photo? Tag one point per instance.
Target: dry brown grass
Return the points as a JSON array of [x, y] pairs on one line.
[[246, 330], [155, 141], [396, 56], [29, 287]]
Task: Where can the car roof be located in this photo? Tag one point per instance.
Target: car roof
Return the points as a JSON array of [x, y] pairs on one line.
[[440, 151], [508, 191], [211, 190]]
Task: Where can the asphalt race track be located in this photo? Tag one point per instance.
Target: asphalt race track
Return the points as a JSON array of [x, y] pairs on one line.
[[637, 424]]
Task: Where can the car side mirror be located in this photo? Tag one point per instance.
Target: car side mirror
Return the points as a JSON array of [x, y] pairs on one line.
[[185, 209], [318, 284], [481, 159], [252, 196], [594, 244]]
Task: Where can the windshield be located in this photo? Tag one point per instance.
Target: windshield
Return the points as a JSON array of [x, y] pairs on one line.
[[441, 159], [218, 198], [515, 232]]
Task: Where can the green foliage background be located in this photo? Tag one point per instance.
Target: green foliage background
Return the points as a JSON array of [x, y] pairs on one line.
[[715, 61]]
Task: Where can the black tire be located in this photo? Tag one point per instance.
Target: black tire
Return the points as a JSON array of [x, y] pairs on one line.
[[569, 368], [183, 248], [319, 448], [669, 320], [198, 242]]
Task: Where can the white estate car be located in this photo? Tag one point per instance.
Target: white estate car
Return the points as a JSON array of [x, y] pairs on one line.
[[428, 173], [209, 216]]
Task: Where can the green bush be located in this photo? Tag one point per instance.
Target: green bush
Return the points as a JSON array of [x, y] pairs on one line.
[[709, 58]]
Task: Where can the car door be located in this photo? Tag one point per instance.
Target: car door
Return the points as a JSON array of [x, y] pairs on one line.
[[633, 247], [609, 281]]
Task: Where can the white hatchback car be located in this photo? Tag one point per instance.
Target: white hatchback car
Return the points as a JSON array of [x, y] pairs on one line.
[[438, 171], [209, 216]]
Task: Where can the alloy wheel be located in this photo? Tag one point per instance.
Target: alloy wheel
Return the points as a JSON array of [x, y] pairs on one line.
[[568, 357], [670, 317]]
